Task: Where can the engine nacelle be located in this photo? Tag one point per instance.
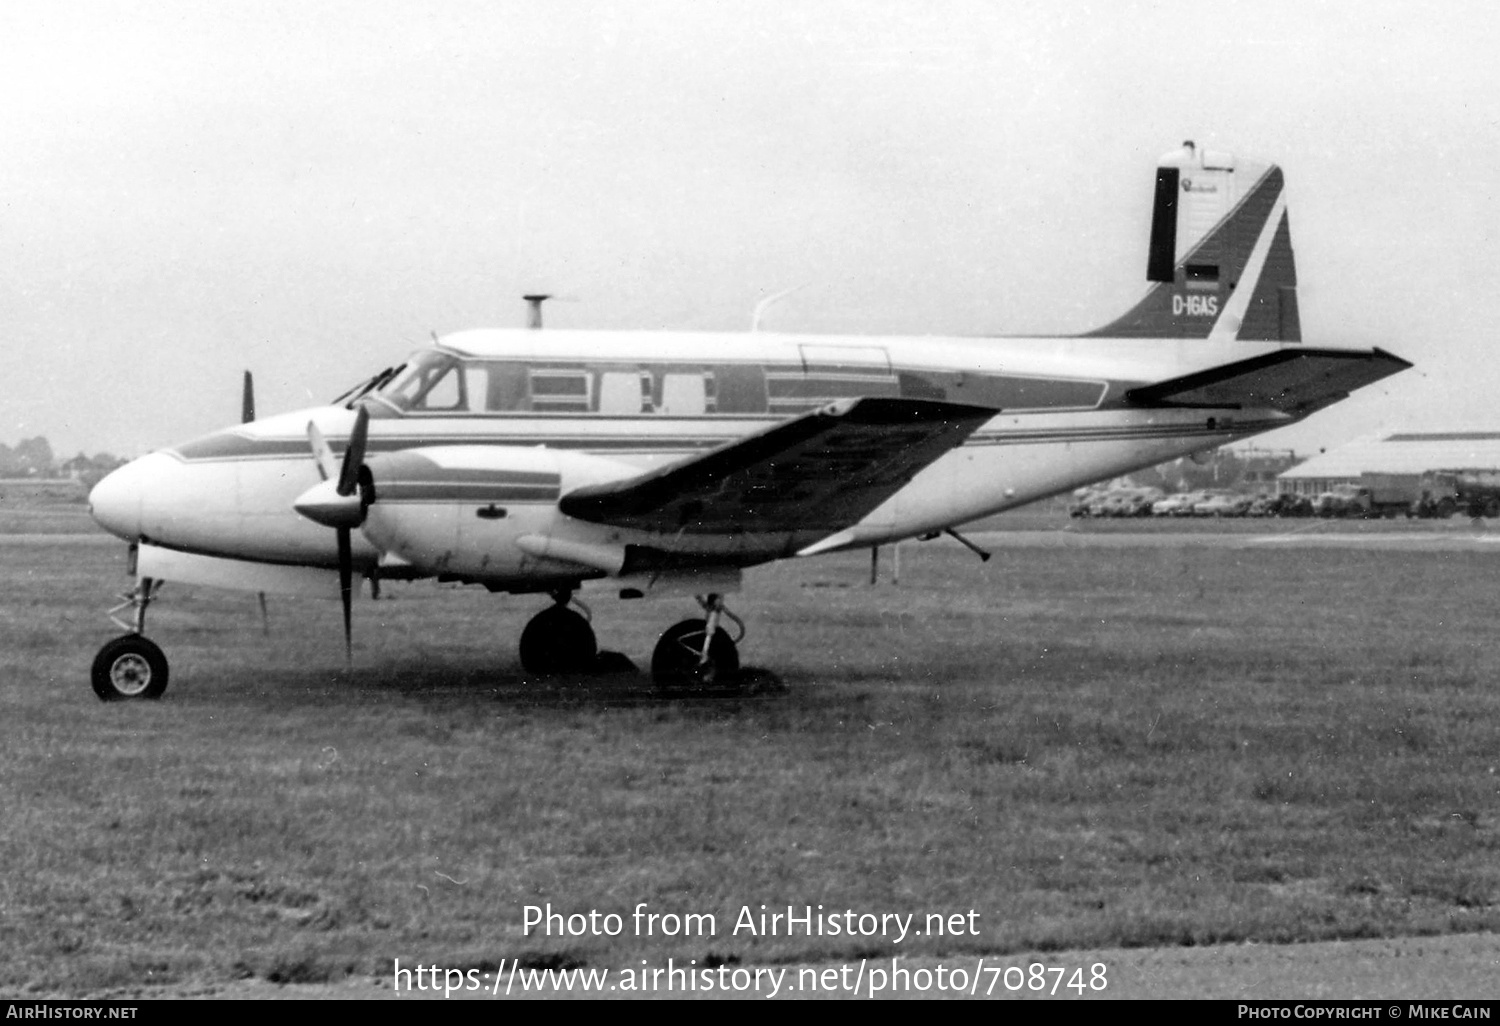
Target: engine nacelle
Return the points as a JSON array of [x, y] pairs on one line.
[[489, 513]]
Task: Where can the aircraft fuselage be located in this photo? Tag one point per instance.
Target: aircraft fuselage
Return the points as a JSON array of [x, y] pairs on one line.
[[627, 401]]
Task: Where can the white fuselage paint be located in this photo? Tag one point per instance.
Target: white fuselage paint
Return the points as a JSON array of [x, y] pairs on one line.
[[241, 506]]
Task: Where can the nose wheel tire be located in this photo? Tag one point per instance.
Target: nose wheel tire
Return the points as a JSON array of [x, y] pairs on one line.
[[558, 640], [678, 666], [129, 667]]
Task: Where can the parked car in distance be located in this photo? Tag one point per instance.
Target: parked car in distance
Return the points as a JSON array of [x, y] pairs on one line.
[[1180, 505], [1222, 504], [1115, 502], [1131, 502], [1083, 502]]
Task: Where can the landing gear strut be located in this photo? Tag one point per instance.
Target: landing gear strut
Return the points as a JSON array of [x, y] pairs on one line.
[[131, 666], [699, 655], [559, 640]]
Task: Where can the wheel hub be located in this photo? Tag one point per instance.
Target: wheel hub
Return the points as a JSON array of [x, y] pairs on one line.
[[131, 674]]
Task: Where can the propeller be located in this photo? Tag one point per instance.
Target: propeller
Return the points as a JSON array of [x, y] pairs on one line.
[[338, 503], [247, 414]]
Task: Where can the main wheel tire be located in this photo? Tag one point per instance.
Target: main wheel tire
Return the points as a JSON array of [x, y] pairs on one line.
[[676, 664], [558, 640], [129, 667]]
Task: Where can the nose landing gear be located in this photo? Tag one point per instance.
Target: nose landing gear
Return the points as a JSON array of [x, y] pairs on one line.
[[131, 666]]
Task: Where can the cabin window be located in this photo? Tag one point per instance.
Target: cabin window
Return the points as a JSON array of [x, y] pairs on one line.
[[684, 395], [739, 389], [507, 388], [559, 390], [624, 392], [797, 391]]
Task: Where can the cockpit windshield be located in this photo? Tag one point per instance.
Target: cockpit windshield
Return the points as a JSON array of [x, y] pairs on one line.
[[370, 384], [429, 382]]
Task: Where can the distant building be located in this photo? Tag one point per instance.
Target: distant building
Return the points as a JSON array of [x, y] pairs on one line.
[[1261, 468], [77, 467], [1406, 452]]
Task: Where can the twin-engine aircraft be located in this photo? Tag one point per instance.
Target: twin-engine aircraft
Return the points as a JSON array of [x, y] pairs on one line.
[[666, 463]]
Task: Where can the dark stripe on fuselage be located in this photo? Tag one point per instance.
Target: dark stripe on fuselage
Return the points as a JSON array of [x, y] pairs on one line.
[[248, 448], [458, 491], [233, 445], [409, 467]]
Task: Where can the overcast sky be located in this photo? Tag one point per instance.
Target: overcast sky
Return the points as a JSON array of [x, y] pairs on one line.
[[310, 189]]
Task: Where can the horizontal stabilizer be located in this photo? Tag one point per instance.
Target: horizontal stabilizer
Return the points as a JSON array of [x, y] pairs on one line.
[[822, 471], [1291, 380]]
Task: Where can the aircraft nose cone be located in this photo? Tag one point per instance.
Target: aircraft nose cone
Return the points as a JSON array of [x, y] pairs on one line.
[[115, 502]]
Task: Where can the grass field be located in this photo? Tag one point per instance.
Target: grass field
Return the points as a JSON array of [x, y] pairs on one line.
[[44, 507], [1090, 747]]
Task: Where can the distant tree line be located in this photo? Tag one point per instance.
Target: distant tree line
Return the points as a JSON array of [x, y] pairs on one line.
[[33, 458]]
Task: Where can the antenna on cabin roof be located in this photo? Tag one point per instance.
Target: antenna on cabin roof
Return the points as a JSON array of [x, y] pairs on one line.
[[765, 304], [534, 309]]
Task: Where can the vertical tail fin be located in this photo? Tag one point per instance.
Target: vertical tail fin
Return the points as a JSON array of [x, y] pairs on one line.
[[1220, 256]]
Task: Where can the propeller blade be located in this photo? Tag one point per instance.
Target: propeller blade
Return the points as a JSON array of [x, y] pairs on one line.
[[346, 592], [333, 503], [247, 400], [354, 456], [322, 455]]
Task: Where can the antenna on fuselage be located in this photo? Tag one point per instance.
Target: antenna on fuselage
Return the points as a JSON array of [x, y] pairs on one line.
[[765, 304], [534, 309]]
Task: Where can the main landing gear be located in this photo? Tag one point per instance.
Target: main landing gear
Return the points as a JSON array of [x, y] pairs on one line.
[[131, 666], [693, 656], [559, 640], [699, 655]]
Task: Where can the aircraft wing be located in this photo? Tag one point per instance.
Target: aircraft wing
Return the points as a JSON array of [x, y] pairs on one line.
[[1292, 380], [822, 471]]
